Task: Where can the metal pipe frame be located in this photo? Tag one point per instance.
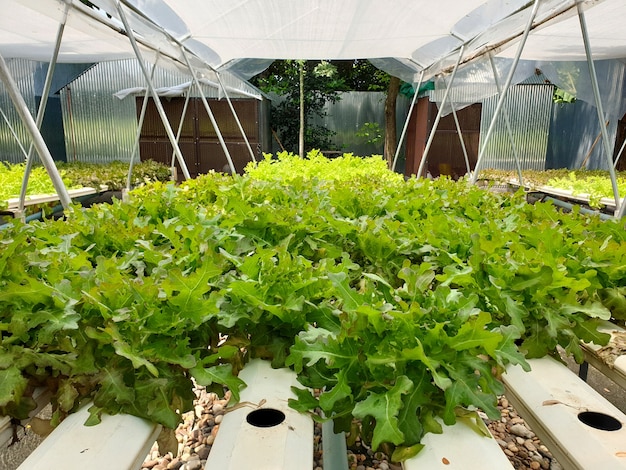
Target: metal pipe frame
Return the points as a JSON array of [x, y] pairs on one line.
[[507, 120], [180, 125], [142, 116], [42, 106], [468, 168], [406, 122], [209, 112], [596, 94], [619, 154], [460, 134], [155, 96], [17, 139], [38, 142], [505, 90], [183, 50], [431, 137], [232, 109]]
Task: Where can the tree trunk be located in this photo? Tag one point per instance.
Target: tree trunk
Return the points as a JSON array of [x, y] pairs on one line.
[[390, 120], [301, 133]]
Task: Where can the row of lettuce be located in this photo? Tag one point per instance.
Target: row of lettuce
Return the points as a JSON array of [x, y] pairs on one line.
[[402, 299], [593, 185], [75, 175]]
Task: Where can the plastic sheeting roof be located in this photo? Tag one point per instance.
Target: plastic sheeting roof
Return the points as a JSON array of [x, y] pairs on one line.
[[402, 36], [28, 30]]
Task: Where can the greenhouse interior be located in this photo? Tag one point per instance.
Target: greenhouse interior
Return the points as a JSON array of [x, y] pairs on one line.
[[179, 291]]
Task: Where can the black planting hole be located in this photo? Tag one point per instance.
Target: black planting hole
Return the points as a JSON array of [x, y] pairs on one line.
[[265, 417], [599, 421]]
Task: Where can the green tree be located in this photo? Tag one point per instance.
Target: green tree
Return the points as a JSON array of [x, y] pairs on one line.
[[361, 75], [308, 85], [318, 84]]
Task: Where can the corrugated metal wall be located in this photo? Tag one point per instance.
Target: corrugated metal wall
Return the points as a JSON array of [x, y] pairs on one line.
[[575, 138], [529, 109], [100, 127], [22, 72], [352, 111]]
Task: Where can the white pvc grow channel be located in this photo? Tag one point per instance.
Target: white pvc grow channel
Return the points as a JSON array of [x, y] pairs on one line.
[[262, 432]]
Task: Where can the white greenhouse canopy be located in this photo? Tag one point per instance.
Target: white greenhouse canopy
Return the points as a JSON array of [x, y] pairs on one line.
[[409, 35]]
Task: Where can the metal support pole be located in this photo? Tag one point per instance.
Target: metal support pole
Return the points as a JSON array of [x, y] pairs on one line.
[[505, 90], [142, 116], [38, 142], [406, 122], [42, 105], [155, 96], [180, 124], [17, 139], [619, 154], [210, 113], [232, 109], [468, 168], [431, 137], [507, 120], [583, 370], [598, 100], [460, 134]]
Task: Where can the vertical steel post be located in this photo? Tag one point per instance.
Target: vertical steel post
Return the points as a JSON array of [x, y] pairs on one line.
[[431, 137], [505, 90], [38, 142], [406, 122], [155, 96], [598, 100], [507, 120]]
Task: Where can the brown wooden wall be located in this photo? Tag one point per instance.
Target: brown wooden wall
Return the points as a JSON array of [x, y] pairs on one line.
[[198, 141], [446, 154]]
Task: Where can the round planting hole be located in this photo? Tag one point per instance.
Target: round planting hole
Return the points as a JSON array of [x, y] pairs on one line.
[[265, 417], [600, 421]]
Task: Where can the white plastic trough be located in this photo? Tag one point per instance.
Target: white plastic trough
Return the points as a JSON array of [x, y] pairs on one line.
[[459, 447], [263, 433], [574, 421], [14, 202], [118, 442]]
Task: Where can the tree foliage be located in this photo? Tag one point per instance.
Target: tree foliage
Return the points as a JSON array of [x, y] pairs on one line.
[[322, 83], [283, 78]]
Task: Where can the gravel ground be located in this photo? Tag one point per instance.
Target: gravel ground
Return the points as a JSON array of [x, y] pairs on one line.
[[518, 441], [199, 428], [196, 435]]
